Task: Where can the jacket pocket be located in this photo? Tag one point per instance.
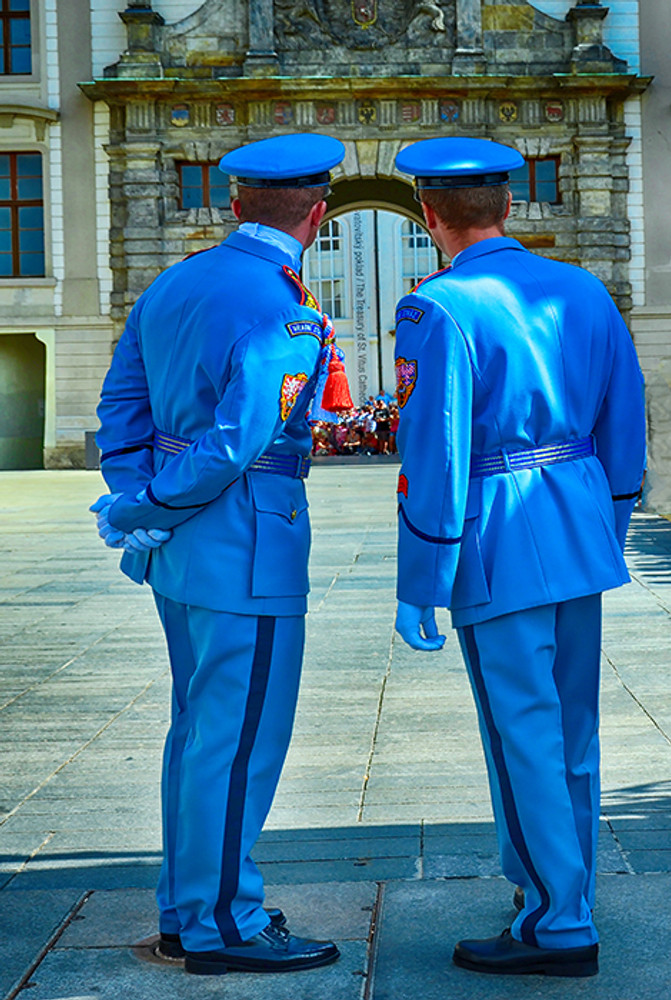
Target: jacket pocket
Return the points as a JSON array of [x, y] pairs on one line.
[[470, 581], [282, 548]]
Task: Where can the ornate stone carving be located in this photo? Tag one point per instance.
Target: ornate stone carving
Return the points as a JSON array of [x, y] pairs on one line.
[[359, 24]]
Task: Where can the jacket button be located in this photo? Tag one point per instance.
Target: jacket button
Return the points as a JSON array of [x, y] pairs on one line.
[[294, 515]]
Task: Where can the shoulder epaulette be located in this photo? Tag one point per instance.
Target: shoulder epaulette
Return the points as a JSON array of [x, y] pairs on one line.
[[194, 253], [307, 298], [434, 274]]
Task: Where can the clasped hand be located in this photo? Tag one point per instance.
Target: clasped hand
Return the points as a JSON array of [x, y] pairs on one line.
[[412, 620], [140, 540]]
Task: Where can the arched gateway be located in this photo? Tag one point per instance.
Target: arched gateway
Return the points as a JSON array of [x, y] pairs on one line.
[[376, 74]]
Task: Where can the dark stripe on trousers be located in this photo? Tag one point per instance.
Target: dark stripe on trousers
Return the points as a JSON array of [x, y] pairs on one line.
[[237, 793], [509, 808]]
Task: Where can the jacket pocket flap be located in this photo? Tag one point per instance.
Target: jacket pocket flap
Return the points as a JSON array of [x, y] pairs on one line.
[[280, 495]]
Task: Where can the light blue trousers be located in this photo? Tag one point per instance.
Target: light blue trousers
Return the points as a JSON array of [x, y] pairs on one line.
[[535, 679], [235, 686]]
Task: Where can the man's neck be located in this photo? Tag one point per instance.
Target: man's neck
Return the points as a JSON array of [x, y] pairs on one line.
[[454, 241]]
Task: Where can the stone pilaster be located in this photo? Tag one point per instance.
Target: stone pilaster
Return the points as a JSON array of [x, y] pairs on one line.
[[261, 59], [469, 56], [602, 242], [137, 217]]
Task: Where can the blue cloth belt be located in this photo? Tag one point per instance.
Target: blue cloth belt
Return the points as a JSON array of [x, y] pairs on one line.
[[295, 466], [550, 454]]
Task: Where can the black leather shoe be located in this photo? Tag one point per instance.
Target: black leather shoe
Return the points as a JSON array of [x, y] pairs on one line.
[[170, 946], [507, 956], [273, 950], [518, 898]]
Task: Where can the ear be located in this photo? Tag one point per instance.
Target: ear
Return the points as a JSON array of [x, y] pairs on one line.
[[317, 214], [429, 215], [510, 202], [236, 208]]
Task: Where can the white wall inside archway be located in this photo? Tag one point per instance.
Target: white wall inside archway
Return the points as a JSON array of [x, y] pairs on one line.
[[361, 264]]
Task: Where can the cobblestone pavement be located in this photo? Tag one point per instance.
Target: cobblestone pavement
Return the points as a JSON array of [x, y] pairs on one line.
[[382, 810]]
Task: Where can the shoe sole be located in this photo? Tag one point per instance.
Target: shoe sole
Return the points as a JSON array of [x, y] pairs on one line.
[[204, 967], [573, 970], [175, 957]]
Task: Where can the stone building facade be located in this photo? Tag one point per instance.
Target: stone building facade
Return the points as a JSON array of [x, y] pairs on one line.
[[173, 84], [377, 75], [55, 329]]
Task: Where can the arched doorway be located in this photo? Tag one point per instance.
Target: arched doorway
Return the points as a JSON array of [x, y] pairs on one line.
[[368, 253], [22, 401]]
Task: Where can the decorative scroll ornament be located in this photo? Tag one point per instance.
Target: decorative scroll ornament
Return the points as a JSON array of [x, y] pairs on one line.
[[362, 24]]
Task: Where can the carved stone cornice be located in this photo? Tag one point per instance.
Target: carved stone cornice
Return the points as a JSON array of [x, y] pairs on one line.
[[246, 89]]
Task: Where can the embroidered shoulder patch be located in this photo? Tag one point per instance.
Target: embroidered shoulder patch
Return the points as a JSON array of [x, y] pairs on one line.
[[406, 379], [307, 298], [290, 391], [305, 326], [409, 312]]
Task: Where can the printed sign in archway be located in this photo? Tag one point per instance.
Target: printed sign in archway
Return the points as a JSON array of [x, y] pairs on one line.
[[363, 261]]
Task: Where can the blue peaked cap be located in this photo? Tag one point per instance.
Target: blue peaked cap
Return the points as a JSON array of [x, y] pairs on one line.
[[451, 162], [301, 159]]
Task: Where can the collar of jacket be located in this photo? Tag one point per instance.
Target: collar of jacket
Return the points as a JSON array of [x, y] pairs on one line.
[[258, 248], [483, 247]]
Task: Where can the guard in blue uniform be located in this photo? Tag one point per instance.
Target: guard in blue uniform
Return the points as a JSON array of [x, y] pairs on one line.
[[205, 447], [522, 435]]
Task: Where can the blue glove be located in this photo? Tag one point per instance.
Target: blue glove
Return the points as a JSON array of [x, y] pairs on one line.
[[110, 536], [143, 541], [411, 619]]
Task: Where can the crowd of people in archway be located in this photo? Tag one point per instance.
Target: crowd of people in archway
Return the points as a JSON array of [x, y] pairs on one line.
[[366, 430]]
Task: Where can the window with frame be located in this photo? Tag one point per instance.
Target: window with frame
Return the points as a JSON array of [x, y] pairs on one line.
[[15, 54], [418, 254], [202, 185], [21, 216], [326, 269], [537, 180]]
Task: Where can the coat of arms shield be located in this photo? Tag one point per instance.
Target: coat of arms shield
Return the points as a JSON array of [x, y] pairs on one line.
[[366, 24]]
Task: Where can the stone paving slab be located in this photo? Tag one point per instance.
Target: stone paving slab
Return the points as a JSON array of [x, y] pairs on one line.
[[93, 958], [120, 918], [385, 749], [112, 974], [420, 922], [27, 923]]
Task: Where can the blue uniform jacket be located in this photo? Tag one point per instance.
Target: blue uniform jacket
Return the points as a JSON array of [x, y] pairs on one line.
[[219, 351], [506, 351]]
